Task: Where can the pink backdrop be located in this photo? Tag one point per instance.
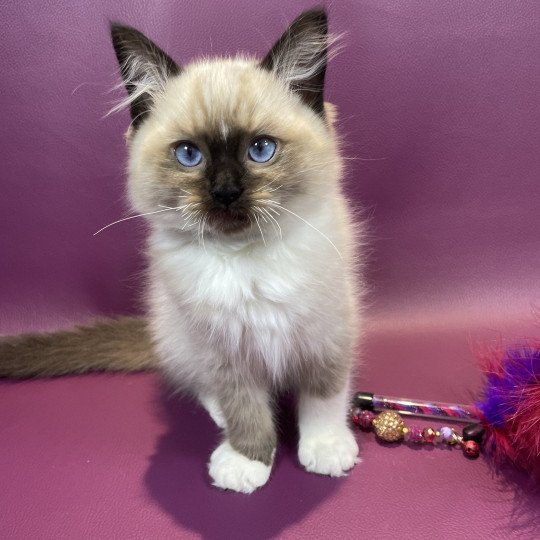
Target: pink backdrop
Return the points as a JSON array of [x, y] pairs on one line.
[[439, 104]]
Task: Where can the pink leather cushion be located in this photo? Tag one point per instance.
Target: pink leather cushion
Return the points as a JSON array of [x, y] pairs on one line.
[[439, 104]]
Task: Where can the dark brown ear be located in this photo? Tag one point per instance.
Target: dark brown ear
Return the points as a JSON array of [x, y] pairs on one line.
[[299, 56], [145, 68]]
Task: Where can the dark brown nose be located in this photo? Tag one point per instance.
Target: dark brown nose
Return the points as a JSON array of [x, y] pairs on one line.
[[226, 195]]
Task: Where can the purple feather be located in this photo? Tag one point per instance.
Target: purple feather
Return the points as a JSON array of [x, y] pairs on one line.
[[511, 404]]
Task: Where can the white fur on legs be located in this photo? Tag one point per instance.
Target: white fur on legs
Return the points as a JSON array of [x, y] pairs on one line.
[[231, 470], [212, 407], [327, 445]]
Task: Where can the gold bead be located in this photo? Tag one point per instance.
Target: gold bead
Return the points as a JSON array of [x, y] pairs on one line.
[[456, 439], [389, 426]]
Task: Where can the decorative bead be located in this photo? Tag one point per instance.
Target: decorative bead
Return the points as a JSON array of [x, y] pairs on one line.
[[362, 418], [355, 415], [388, 426], [428, 435], [414, 434], [366, 419], [457, 439], [471, 449], [447, 435], [474, 432]]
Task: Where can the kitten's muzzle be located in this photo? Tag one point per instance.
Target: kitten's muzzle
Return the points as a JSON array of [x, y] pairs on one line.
[[226, 195], [228, 220]]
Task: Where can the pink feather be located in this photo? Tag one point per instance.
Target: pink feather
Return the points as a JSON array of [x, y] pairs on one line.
[[510, 405]]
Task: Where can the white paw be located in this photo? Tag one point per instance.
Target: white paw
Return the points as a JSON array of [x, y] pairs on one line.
[[231, 470], [331, 452]]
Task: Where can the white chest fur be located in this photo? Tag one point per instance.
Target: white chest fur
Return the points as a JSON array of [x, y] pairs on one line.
[[269, 301]]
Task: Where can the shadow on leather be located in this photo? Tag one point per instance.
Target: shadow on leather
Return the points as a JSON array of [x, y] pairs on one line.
[[177, 479]]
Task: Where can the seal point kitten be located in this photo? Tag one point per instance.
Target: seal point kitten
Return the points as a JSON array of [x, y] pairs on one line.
[[253, 283]]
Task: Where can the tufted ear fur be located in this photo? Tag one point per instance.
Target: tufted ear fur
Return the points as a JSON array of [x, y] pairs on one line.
[[300, 55], [145, 69]]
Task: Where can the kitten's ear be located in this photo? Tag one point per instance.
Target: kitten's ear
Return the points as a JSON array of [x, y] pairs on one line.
[[299, 56], [145, 69]]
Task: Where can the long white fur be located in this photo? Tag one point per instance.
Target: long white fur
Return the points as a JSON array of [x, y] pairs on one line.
[[144, 76], [308, 58], [286, 292]]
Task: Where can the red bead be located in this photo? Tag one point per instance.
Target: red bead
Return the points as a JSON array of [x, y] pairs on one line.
[[355, 415], [366, 417], [471, 449], [415, 434], [362, 418], [428, 435]]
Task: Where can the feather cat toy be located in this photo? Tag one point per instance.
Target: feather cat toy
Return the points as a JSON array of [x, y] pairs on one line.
[[505, 420]]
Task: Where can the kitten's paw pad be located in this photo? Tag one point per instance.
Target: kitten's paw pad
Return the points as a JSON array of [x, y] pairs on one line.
[[231, 470], [329, 453]]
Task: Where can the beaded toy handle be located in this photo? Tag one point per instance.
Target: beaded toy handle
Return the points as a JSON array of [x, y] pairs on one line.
[[388, 425], [417, 407]]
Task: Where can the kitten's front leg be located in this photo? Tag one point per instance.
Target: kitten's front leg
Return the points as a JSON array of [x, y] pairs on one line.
[[327, 444], [243, 461]]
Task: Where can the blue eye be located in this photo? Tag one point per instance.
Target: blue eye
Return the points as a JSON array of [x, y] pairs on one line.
[[188, 154], [262, 150]]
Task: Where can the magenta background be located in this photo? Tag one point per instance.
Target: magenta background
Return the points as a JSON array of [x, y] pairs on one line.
[[439, 99]]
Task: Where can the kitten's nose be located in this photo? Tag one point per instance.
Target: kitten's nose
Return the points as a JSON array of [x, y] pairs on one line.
[[226, 195]]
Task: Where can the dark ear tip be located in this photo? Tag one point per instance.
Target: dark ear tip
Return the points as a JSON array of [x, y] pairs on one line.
[[117, 30], [318, 14], [120, 31], [115, 27]]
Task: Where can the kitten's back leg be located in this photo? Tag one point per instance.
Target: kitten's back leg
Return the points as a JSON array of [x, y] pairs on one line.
[[211, 404]]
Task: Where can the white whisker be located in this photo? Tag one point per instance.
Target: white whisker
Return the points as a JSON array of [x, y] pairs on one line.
[[175, 207], [192, 214], [274, 220], [258, 209], [131, 217], [355, 158], [309, 224], [199, 221], [260, 229], [262, 188], [202, 229], [266, 186], [186, 209]]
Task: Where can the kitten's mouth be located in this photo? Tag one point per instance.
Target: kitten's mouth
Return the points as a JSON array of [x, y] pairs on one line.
[[228, 221]]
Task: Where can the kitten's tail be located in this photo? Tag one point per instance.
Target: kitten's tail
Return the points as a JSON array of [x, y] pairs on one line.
[[121, 344]]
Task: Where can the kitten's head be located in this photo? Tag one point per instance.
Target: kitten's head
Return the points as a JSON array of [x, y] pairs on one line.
[[228, 142]]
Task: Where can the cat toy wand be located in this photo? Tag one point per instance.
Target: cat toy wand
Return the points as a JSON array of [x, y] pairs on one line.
[[389, 425], [505, 420], [455, 412]]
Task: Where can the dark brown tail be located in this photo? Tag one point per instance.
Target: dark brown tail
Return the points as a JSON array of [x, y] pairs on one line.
[[121, 344]]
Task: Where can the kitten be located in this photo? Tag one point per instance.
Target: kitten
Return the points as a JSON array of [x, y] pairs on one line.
[[253, 276]]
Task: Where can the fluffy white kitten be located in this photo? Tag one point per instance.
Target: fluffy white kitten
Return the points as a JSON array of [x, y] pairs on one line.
[[253, 284]]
